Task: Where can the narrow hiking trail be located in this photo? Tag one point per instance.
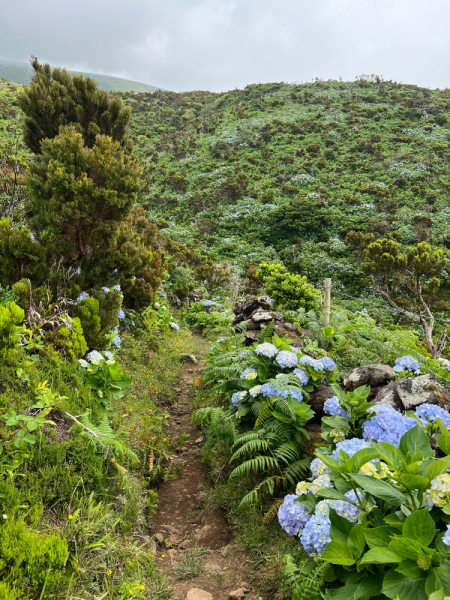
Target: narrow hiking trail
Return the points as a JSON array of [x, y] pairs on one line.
[[194, 536]]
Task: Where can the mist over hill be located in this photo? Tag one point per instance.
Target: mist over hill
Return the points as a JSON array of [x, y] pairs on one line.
[[21, 72]]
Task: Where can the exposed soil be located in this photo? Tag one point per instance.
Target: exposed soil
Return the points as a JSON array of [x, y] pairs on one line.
[[188, 522]]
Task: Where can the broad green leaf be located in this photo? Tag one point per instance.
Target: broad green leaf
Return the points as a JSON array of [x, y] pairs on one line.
[[262, 373], [280, 416], [243, 409], [379, 537], [32, 425], [446, 509], [443, 440], [396, 585], [347, 592], [340, 526], [437, 467], [395, 520], [370, 586], [389, 454], [438, 579], [331, 494], [409, 568], [414, 482], [380, 489], [419, 526], [416, 440], [440, 546], [362, 457], [29, 438], [406, 548], [338, 553], [330, 462], [380, 556], [328, 332], [440, 595], [18, 442], [357, 541]]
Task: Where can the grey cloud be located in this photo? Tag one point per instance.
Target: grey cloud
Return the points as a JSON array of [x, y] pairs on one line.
[[222, 44]]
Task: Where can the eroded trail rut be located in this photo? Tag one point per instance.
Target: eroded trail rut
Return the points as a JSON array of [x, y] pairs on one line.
[[190, 530]]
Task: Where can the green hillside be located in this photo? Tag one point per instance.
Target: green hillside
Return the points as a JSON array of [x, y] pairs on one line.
[[285, 172], [21, 72]]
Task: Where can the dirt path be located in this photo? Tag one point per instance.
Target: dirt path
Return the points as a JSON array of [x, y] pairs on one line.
[[195, 547]]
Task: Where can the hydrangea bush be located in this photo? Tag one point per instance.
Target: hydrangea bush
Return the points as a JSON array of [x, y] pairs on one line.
[[378, 502]]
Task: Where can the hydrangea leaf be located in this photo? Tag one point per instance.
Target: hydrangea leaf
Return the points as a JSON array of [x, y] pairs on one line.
[[379, 537], [370, 586], [437, 467], [380, 489], [416, 440], [380, 556], [396, 585], [357, 541], [406, 548], [389, 453], [438, 579], [338, 553], [414, 482], [420, 526], [362, 457], [443, 440]]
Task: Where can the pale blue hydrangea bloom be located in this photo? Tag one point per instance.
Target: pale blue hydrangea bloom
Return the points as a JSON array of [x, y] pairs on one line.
[[431, 412], [328, 364], [254, 391], [117, 287], [117, 341], [108, 355], [351, 447], [292, 515], [217, 297], [407, 363], [249, 373], [323, 481], [446, 538], [116, 329], [94, 355], [121, 314], [268, 390], [105, 289], [221, 339], [208, 303], [174, 326], [333, 408], [387, 425], [266, 349], [286, 359], [319, 468], [311, 362], [83, 363], [82, 296], [301, 375], [238, 398]]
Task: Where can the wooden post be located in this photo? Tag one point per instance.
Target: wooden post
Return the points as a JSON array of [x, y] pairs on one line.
[[327, 302]]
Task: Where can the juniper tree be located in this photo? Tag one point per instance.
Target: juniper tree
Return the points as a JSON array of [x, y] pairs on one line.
[[79, 196], [409, 283], [55, 98]]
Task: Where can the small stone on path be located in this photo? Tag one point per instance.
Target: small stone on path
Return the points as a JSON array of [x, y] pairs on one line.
[[237, 594], [188, 358], [198, 441], [159, 538], [198, 594]]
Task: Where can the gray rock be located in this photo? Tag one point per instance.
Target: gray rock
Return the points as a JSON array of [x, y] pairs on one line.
[[198, 441], [188, 358], [198, 594], [247, 306], [408, 394], [373, 375], [317, 399], [200, 497], [159, 538], [261, 315]]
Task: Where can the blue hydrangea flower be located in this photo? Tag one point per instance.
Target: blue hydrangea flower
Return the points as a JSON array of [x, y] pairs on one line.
[[249, 373], [221, 339], [407, 363], [83, 363], [117, 341], [107, 354], [121, 314], [105, 289], [162, 294], [301, 375], [431, 412], [82, 296], [311, 362], [286, 359], [446, 538], [94, 356], [387, 425], [351, 447], [266, 349], [207, 303], [333, 408], [116, 329], [328, 364], [268, 390], [117, 287], [292, 515], [238, 398], [217, 297], [254, 391], [174, 326], [319, 468]]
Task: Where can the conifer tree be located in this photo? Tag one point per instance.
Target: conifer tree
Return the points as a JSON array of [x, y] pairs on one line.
[[55, 98]]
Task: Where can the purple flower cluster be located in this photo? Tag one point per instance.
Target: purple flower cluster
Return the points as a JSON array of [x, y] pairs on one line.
[[292, 515], [333, 408], [431, 412], [387, 425]]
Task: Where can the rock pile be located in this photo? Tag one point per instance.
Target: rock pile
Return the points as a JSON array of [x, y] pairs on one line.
[[256, 312]]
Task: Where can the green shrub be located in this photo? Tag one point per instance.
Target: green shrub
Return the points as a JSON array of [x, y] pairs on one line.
[[7, 593], [288, 290], [70, 342], [11, 316], [88, 313], [29, 558], [20, 256]]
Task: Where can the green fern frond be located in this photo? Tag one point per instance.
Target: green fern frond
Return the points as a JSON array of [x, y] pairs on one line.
[[259, 463], [264, 414], [103, 438]]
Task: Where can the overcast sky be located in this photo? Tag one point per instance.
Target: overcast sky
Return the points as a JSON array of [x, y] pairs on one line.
[[220, 44]]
